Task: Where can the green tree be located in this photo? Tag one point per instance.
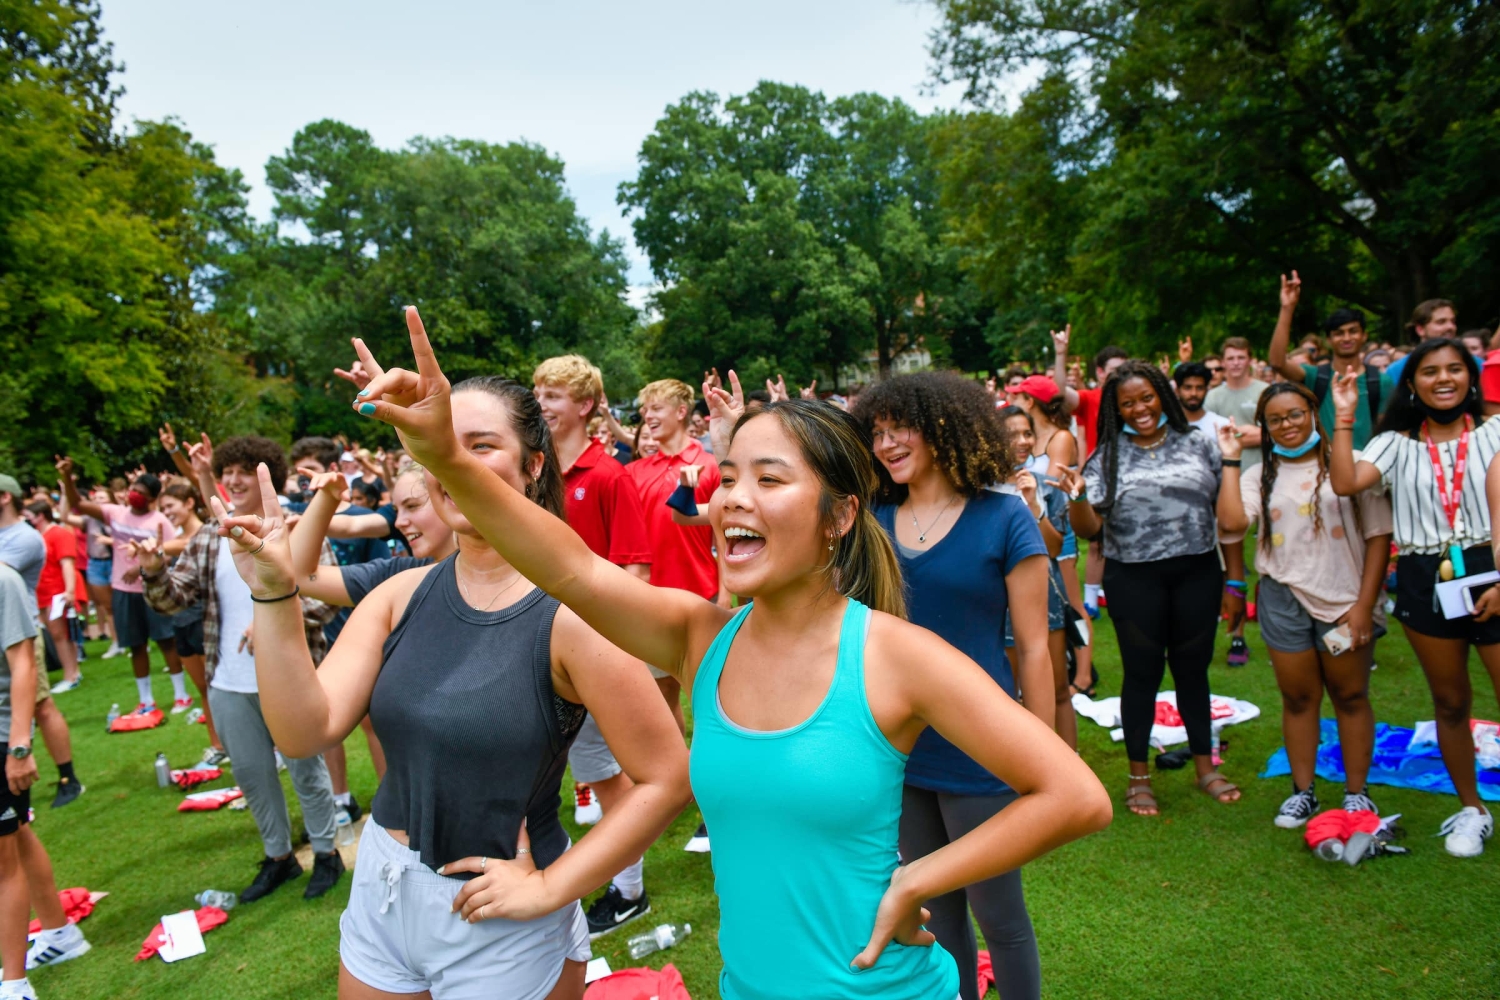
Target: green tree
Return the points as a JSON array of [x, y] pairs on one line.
[[1230, 140], [791, 233]]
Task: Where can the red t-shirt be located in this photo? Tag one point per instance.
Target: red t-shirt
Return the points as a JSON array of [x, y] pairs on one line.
[[604, 507], [681, 556], [60, 546], [1088, 417], [1489, 378]]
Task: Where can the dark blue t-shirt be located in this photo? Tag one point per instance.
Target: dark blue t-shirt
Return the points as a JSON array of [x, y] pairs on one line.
[[957, 589], [349, 552]]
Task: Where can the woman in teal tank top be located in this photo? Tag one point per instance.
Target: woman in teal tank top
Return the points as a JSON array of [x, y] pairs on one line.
[[810, 699]]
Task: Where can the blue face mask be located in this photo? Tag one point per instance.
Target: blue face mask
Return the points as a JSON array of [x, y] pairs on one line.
[[1161, 422], [1303, 449]]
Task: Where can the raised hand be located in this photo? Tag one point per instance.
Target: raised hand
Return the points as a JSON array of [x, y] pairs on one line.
[[515, 890], [332, 483], [262, 554], [418, 404], [777, 389], [1229, 440], [711, 377], [1069, 480], [810, 392], [899, 918], [1291, 291], [148, 554], [1346, 396], [167, 437], [1060, 339], [201, 457], [1185, 350], [724, 411], [1026, 484], [356, 373], [64, 466]]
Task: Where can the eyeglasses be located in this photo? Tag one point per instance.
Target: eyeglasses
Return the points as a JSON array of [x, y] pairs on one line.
[[1214, 368], [1292, 417], [895, 435]]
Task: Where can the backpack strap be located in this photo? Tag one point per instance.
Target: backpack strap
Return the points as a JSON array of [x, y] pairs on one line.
[[1321, 381]]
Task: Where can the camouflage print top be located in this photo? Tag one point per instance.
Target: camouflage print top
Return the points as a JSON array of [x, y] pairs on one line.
[[1164, 497]]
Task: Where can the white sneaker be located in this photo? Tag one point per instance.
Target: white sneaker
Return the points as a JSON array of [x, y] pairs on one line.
[[55, 947], [17, 989], [63, 687], [112, 651], [586, 808], [1467, 830], [698, 843]]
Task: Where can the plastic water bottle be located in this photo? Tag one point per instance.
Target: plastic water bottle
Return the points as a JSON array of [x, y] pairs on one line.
[[195, 716], [163, 771], [662, 938], [343, 828], [1331, 849], [114, 713], [218, 898]]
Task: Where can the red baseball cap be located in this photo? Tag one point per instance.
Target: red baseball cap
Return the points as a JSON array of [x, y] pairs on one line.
[[1038, 387]]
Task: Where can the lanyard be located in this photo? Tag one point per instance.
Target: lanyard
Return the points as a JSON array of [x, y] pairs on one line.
[[1452, 501]]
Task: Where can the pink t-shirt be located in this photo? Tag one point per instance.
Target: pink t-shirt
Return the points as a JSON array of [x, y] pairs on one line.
[[126, 526]]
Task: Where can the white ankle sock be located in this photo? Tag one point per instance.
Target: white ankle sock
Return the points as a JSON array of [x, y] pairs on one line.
[[143, 688], [1091, 593], [179, 687], [632, 880], [345, 799]]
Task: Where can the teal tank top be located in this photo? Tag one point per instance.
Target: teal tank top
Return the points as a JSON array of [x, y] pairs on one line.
[[804, 825]]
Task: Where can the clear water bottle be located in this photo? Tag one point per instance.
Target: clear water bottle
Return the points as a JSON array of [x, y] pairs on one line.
[[343, 828], [217, 898], [1331, 849], [114, 713], [660, 939], [163, 771]]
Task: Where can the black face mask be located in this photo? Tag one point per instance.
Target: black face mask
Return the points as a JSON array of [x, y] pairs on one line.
[[1447, 416]]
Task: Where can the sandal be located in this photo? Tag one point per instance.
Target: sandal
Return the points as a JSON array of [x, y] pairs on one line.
[[1139, 799], [1088, 692], [1225, 787]]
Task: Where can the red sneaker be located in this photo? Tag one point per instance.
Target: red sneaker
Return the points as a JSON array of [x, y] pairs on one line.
[[586, 809], [181, 705]]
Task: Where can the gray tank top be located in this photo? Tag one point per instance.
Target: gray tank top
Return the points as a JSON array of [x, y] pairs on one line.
[[474, 736]]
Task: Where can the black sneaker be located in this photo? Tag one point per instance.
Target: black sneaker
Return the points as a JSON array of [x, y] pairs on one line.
[[612, 911], [270, 877], [1359, 802], [353, 809], [67, 791], [325, 874], [1297, 809], [1239, 652]]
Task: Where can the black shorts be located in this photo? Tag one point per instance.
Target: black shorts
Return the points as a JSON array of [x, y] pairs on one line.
[[14, 809], [135, 622], [188, 628], [1416, 575]]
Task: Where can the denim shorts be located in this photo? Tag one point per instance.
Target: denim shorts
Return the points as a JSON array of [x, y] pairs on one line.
[[97, 573]]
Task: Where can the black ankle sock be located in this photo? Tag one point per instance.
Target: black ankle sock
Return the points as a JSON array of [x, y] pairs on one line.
[[65, 771]]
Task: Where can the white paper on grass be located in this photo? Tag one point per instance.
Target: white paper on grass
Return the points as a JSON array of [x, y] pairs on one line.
[[597, 968], [181, 937]]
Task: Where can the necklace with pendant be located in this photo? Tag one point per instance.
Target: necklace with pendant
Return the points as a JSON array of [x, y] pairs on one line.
[[1150, 449], [921, 534]]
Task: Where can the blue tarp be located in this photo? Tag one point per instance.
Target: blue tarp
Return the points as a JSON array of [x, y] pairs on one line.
[[1395, 762]]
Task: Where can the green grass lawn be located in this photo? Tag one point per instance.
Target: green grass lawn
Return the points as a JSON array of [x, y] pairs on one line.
[[1205, 901]]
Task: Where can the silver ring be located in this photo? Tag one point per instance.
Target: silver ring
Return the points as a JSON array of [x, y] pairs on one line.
[[522, 850], [482, 863], [258, 547]]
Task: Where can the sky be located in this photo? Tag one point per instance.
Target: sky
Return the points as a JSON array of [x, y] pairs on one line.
[[587, 81]]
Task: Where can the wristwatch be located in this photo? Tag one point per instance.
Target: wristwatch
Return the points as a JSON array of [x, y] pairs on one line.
[[20, 751]]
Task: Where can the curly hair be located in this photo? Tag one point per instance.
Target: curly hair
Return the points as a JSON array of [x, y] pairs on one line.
[[248, 451], [1270, 464], [955, 416], [1110, 424]]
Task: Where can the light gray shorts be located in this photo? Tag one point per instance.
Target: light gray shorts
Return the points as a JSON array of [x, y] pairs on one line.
[[399, 934], [658, 674], [589, 756], [1285, 625]]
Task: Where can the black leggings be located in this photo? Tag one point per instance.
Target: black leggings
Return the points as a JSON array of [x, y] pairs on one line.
[[929, 821], [1165, 612]]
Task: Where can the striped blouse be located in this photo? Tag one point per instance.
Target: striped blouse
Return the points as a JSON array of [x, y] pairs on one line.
[[1406, 474]]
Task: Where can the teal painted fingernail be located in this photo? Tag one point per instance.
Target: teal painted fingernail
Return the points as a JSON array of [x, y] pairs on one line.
[[363, 393], [368, 409]]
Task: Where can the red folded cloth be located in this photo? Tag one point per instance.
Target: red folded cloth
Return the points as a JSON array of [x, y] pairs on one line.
[[209, 917], [208, 801], [187, 779], [639, 984], [132, 723], [76, 904], [986, 973], [1336, 824]]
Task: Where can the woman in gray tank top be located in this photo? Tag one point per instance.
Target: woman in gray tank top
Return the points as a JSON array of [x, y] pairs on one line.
[[476, 682]]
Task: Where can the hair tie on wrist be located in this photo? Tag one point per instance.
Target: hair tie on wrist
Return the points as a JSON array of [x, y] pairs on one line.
[[276, 600], [1230, 463]]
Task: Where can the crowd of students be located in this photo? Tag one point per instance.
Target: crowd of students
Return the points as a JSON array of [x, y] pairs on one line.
[[871, 602]]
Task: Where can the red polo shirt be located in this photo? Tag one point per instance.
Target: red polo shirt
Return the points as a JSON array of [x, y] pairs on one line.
[[681, 557], [604, 507], [1088, 417]]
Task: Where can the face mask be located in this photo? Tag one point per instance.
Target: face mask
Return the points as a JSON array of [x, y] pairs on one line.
[[137, 499], [1443, 416], [1161, 422], [1300, 450]]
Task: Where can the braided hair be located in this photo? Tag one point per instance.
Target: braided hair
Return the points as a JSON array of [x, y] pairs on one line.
[[1110, 425], [1270, 464]]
